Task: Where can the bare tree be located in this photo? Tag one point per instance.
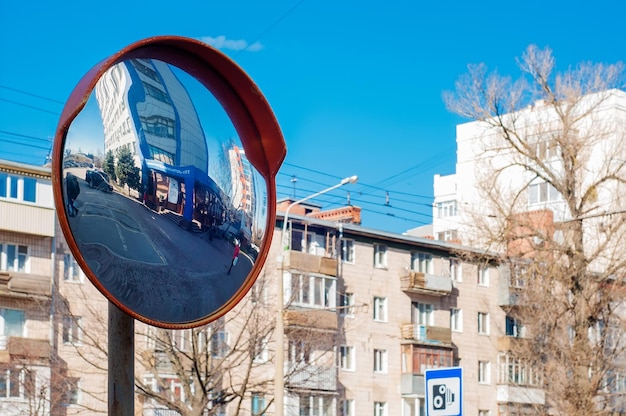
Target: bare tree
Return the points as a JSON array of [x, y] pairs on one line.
[[553, 141]]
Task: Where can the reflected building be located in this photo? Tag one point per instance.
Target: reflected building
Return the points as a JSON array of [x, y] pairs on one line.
[[146, 109], [243, 191]]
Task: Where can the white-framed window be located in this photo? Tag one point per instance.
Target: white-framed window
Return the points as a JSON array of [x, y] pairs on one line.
[[346, 358], [72, 329], [219, 344], [22, 188], [483, 323], [446, 209], [422, 313], [380, 256], [72, 391], [484, 372], [14, 257], [542, 192], [346, 304], [16, 383], [380, 309], [346, 407], [483, 275], [347, 250], [313, 291], [455, 270], [484, 413], [513, 327], [71, 271], [380, 409], [257, 405], [456, 320], [380, 361], [181, 339], [422, 262], [299, 351], [12, 322], [260, 350], [311, 405], [258, 292]]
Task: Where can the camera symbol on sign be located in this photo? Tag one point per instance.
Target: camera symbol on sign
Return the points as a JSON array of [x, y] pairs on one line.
[[442, 397]]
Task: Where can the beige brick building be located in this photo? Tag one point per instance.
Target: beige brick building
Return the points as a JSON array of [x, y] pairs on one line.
[[366, 313]]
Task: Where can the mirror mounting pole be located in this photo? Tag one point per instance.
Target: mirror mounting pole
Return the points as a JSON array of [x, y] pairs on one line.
[[121, 357]]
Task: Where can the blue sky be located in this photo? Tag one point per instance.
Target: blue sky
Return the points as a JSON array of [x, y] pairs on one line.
[[356, 86]]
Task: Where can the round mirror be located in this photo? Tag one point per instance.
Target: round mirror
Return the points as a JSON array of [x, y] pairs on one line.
[[164, 170]]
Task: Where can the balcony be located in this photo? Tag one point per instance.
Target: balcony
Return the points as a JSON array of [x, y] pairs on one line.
[[311, 318], [310, 377], [412, 384], [26, 218], [427, 334], [424, 283], [510, 343], [518, 394], [35, 350], [25, 284], [310, 263]]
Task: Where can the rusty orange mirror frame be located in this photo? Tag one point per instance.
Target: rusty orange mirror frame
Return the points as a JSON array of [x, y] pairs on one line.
[[242, 100]]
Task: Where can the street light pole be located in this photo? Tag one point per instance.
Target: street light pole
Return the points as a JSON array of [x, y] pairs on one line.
[[279, 374]]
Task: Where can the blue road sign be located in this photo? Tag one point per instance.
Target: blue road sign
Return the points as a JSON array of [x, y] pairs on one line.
[[444, 391]]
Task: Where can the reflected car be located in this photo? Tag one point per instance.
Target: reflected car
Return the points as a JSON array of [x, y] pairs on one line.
[[98, 180]]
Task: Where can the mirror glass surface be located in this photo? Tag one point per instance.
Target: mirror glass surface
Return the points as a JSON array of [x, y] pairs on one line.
[[159, 194]]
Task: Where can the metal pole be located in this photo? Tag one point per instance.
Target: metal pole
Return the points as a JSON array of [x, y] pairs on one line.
[[279, 371], [121, 363]]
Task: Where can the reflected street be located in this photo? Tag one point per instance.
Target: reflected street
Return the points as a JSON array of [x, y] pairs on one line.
[[144, 259]]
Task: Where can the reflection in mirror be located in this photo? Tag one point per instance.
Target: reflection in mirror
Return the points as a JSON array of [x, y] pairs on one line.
[[161, 200]]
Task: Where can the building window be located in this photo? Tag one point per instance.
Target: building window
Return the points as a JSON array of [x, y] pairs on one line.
[[484, 372], [347, 250], [72, 391], [316, 291], [380, 309], [72, 330], [316, 405], [258, 404], [455, 270], [446, 209], [346, 358], [346, 407], [16, 383], [517, 372], [260, 350], [456, 320], [299, 352], [416, 359], [15, 187], [483, 323], [542, 192], [513, 327], [219, 344], [380, 409], [484, 413], [346, 304], [380, 256], [483, 275], [12, 322], [380, 361], [422, 262], [422, 313], [14, 258], [71, 270]]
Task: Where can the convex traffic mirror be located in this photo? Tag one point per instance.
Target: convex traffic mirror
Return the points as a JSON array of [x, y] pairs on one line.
[[164, 173]]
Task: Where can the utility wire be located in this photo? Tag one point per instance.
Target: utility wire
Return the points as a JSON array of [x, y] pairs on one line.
[[31, 94], [30, 106]]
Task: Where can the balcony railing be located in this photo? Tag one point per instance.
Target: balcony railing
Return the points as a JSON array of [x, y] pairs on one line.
[[310, 263], [26, 218], [418, 282], [427, 334], [412, 384], [312, 318], [310, 377], [35, 350]]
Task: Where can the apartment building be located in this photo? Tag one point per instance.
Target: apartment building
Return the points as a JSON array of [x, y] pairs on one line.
[[41, 369], [388, 307]]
